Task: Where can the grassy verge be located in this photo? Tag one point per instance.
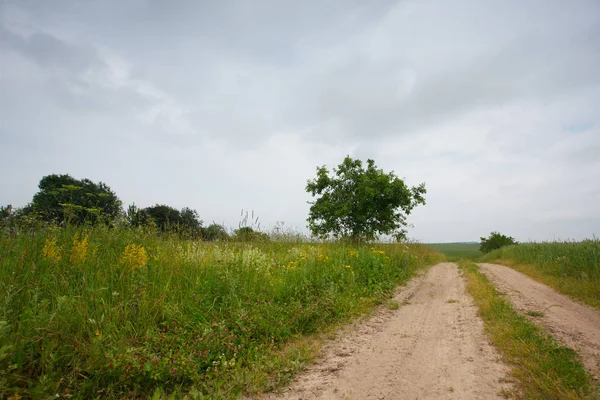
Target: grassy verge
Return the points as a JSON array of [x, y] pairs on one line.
[[120, 313], [572, 268], [543, 368]]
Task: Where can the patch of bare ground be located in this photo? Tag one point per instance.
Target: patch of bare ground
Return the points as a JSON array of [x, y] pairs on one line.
[[572, 323], [432, 347]]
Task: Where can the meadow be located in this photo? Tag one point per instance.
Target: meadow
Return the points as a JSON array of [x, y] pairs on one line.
[[456, 251], [131, 313], [572, 268]]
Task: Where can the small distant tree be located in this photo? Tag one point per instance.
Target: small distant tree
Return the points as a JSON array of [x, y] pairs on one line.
[[358, 203], [168, 219], [215, 232], [495, 241], [247, 234]]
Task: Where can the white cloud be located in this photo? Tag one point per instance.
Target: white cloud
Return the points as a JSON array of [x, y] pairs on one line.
[[224, 106]]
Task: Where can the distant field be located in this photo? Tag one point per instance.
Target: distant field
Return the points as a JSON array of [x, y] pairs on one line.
[[456, 250]]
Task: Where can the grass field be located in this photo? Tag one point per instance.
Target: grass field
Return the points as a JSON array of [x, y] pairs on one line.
[[572, 268], [455, 251], [124, 313]]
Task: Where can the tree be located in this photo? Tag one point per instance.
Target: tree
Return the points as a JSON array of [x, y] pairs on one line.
[[135, 216], [359, 204], [215, 232], [62, 198], [495, 241], [169, 219]]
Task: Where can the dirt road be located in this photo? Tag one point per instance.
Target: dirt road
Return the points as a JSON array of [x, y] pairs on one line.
[[576, 325], [432, 347]]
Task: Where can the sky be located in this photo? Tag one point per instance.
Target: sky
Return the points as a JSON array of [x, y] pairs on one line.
[[232, 104]]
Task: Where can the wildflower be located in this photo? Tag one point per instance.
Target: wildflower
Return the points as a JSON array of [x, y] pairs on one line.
[[134, 256], [51, 251], [348, 266], [79, 251]]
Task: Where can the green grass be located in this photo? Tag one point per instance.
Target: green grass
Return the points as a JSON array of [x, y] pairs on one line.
[[456, 251], [572, 268], [544, 369], [118, 313]]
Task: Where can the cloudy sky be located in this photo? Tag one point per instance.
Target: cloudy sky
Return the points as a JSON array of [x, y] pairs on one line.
[[229, 105]]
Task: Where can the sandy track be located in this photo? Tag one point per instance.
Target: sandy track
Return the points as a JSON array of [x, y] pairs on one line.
[[431, 348], [574, 324]]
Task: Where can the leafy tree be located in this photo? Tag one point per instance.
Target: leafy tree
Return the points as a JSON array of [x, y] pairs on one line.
[[359, 204], [190, 222], [135, 216], [169, 219], [5, 212], [247, 234], [495, 241], [62, 198], [215, 232]]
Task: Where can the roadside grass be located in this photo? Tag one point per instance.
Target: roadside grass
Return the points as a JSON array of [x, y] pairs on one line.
[[543, 368], [130, 313], [572, 268], [456, 251]]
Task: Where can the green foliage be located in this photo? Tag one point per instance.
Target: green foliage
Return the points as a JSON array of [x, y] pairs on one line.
[[135, 216], [127, 313], [495, 241], [64, 199], [215, 232], [5, 212], [359, 204], [169, 219], [248, 234]]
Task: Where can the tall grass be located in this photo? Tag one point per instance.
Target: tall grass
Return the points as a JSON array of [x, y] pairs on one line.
[[571, 267], [116, 313]]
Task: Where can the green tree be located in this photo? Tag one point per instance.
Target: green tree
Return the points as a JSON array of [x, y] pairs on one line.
[[215, 232], [495, 241], [168, 219], [62, 198], [135, 216], [359, 204], [247, 234]]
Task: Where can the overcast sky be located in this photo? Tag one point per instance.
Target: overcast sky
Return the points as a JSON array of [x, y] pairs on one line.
[[229, 105]]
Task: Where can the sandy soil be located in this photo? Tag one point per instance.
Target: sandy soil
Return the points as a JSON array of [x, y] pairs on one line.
[[432, 347], [574, 324]]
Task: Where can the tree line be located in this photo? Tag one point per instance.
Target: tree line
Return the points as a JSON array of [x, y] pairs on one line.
[[64, 200], [354, 202]]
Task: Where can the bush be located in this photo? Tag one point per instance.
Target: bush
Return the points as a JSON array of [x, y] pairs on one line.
[[495, 241]]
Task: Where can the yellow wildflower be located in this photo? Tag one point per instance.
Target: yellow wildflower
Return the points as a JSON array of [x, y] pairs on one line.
[[348, 266], [80, 249], [51, 251], [134, 256]]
